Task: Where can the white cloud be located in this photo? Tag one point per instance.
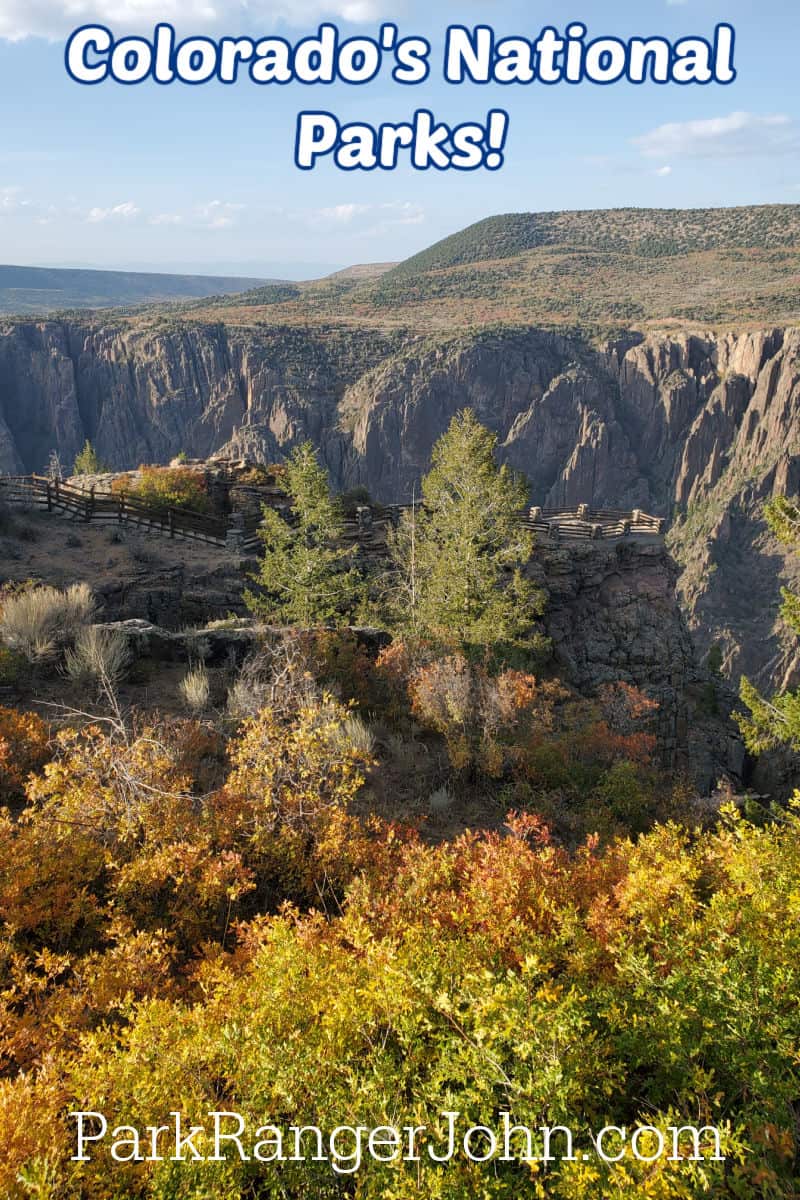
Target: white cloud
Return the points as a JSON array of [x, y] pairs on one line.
[[344, 214], [736, 135], [663, 172], [125, 212], [167, 219], [57, 18], [217, 214], [368, 220], [11, 199]]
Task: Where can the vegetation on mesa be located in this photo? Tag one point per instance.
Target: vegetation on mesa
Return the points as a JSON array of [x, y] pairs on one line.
[[597, 271], [208, 911], [651, 233]]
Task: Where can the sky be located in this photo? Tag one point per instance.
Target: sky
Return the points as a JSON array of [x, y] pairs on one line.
[[201, 179]]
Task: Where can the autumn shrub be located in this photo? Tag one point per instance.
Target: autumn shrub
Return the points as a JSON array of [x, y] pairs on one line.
[[39, 621], [297, 769], [488, 721], [24, 748], [167, 487], [341, 662], [392, 673], [650, 984], [189, 923]]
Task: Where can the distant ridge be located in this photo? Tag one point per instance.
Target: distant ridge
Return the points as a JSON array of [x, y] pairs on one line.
[[29, 290], [651, 232]]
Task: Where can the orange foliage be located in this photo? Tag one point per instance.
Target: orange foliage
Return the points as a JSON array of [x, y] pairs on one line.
[[24, 748]]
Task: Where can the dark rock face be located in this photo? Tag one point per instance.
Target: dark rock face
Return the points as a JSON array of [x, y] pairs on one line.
[[703, 426], [611, 615]]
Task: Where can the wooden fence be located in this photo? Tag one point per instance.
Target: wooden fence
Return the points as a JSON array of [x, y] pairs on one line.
[[38, 491], [240, 531]]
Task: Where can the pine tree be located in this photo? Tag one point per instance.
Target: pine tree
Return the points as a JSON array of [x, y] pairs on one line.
[[459, 555], [305, 573], [776, 721], [87, 462]]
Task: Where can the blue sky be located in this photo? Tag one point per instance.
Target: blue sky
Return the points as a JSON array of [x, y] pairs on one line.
[[202, 178]]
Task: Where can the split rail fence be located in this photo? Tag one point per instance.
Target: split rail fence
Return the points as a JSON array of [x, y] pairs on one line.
[[241, 530]]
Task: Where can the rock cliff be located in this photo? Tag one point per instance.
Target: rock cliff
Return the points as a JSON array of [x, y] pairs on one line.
[[696, 427]]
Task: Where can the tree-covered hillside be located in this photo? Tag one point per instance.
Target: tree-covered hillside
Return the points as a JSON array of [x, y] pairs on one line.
[[649, 232], [598, 271]]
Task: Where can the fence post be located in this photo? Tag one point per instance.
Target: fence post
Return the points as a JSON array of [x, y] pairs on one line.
[[120, 507], [49, 497], [171, 523], [57, 495], [90, 504]]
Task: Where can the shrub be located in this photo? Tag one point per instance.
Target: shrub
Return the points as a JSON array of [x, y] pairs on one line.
[[98, 655], [24, 748], [489, 722], [39, 621], [353, 499], [167, 487], [11, 665], [276, 676], [300, 770], [195, 688]]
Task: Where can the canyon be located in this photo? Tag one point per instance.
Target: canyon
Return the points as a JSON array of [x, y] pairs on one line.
[[697, 427]]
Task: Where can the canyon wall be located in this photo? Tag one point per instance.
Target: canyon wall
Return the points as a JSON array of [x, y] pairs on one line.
[[697, 428]]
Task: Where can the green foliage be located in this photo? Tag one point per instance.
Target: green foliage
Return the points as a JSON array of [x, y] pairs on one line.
[[775, 722], [714, 659], [783, 517], [87, 462], [770, 723], [167, 487], [305, 573], [459, 556]]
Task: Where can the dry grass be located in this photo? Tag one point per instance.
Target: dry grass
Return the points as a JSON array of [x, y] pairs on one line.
[[99, 655], [40, 621], [357, 734], [195, 688]]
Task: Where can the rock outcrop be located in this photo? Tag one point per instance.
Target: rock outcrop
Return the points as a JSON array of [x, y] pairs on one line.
[[701, 427], [611, 615]]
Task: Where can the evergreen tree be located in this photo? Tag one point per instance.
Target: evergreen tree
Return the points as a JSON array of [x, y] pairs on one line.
[[305, 572], [87, 462], [459, 555], [776, 721]]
